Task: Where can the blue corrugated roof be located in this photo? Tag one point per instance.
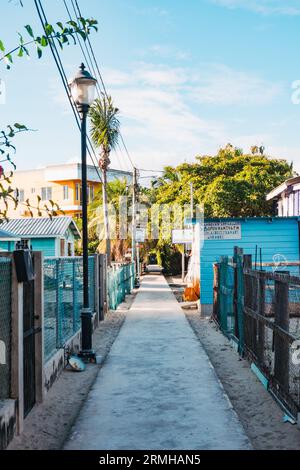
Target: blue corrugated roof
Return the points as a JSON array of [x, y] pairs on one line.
[[41, 226], [7, 235]]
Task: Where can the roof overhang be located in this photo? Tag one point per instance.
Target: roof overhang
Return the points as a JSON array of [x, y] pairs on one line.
[[282, 187]]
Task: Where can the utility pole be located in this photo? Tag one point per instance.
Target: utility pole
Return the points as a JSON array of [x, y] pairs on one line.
[[134, 190], [192, 200], [183, 262]]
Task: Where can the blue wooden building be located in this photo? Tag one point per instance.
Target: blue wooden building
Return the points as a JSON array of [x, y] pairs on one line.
[[8, 240], [54, 237], [278, 239]]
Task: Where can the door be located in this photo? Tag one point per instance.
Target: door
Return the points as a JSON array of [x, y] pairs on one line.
[[62, 247], [29, 346]]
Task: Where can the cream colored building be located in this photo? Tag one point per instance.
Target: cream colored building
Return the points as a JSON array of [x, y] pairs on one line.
[[58, 183]]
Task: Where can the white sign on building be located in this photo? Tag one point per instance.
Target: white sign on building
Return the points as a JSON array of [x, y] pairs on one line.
[[222, 231], [140, 235], [182, 236]]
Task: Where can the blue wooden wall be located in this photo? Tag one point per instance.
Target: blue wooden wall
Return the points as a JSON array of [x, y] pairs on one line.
[[274, 236], [7, 245], [46, 245]]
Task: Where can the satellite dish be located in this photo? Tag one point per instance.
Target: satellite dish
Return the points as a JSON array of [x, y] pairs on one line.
[[76, 364]]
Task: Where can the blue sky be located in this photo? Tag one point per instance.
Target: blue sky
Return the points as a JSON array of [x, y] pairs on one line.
[[188, 76]]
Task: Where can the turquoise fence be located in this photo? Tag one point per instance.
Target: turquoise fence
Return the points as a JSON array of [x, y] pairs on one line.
[[120, 281], [63, 298]]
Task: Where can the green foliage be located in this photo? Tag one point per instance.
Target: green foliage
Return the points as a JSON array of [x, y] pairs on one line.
[[230, 184], [59, 33], [105, 125], [115, 189]]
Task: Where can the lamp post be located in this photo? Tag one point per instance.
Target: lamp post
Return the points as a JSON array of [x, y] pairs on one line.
[[82, 89]]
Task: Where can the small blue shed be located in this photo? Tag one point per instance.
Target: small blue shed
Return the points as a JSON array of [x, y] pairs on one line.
[[278, 239], [53, 236]]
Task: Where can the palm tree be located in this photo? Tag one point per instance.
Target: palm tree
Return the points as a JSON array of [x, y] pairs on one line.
[[105, 132]]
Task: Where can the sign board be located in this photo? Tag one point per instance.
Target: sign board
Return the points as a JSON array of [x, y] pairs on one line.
[[139, 235], [222, 231], [182, 236], [191, 221]]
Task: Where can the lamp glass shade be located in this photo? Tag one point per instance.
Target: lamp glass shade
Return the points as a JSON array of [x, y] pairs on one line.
[[83, 90]]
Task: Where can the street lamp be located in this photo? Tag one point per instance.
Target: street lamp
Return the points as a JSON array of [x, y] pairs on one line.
[[83, 88]]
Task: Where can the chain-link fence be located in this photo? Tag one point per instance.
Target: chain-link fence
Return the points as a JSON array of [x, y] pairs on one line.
[[5, 327], [120, 281], [260, 310], [272, 331], [63, 299]]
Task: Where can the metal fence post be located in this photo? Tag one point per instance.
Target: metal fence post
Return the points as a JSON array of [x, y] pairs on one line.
[[223, 286], [102, 286], [240, 300], [75, 302], [216, 297], [97, 288], [58, 305]]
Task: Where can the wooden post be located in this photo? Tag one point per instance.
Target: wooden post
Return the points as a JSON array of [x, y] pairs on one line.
[[281, 369], [247, 264], [261, 325], [182, 264], [236, 253], [239, 298]]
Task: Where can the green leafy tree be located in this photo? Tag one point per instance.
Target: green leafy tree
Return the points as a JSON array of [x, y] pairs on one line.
[[230, 184], [115, 190]]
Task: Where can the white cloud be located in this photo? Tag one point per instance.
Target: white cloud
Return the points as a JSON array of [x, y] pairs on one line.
[[166, 52], [265, 7], [219, 84], [162, 109], [161, 115]]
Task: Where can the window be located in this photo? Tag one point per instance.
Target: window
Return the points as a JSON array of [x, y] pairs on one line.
[[66, 192], [70, 249], [21, 197], [78, 192], [32, 190], [91, 193], [62, 247], [46, 193]]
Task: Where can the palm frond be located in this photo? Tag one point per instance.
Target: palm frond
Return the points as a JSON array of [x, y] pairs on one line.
[[105, 125]]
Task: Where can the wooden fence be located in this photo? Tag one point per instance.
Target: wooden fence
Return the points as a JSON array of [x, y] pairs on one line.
[[260, 310]]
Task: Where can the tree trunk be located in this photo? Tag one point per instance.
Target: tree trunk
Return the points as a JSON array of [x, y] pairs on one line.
[[106, 219]]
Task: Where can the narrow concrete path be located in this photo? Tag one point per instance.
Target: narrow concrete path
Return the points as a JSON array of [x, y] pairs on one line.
[[157, 388]]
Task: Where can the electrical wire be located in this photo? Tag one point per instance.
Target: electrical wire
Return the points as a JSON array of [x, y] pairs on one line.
[[89, 44], [59, 65]]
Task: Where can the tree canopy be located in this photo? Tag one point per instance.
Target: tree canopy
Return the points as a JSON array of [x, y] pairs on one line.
[[229, 184]]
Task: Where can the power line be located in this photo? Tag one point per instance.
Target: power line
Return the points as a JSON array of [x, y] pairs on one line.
[[88, 43], [153, 171], [89, 63], [59, 65], [92, 51]]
